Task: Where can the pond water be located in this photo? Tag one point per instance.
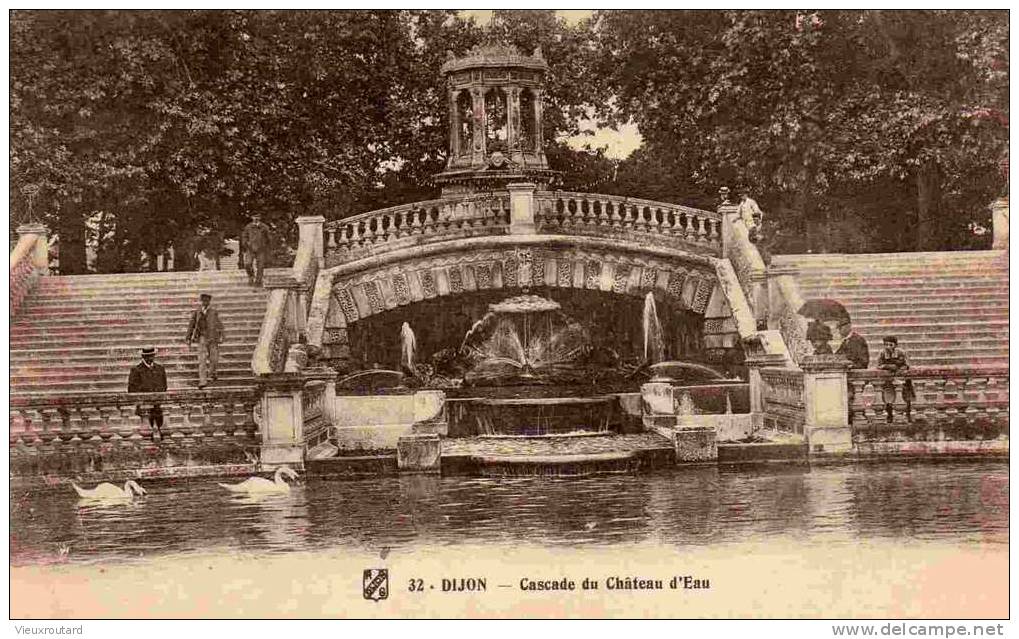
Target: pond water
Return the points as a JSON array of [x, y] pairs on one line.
[[959, 503]]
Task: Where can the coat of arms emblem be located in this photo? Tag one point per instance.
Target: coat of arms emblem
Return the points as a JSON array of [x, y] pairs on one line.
[[376, 584]]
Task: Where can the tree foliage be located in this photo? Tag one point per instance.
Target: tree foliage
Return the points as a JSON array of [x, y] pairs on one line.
[[830, 116], [142, 128]]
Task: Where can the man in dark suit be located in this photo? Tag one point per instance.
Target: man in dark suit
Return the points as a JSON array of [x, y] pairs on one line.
[[853, 346], [206, 329], [149, 377], [256, 244]]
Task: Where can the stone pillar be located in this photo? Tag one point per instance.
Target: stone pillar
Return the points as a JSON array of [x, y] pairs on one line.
[[522, 208], [454, 125], [538, 136], [759, 298], [40, 254], [754, 365], [419, 454], [282, 420], [1000, 222], [512, 127], [728, 212], [826, 404], [310, 230], [478, 152]]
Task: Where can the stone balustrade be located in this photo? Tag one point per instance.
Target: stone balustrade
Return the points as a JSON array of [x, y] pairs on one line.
[[616, 216], [417, 223], [782, 398], [950, 404], [29, 261], [197, 416]]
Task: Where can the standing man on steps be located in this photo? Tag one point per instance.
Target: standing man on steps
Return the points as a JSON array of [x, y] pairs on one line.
[[207, 329], [149, 377], [256, 245]]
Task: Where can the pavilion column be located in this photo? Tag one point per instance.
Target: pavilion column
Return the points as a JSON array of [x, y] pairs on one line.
[[537, 121], [478, 151], [454, 126], [512, 119]]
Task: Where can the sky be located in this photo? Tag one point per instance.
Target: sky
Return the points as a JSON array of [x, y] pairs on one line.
[[618, 144]]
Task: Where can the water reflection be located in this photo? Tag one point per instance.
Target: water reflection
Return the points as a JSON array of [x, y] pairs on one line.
[[965, 502]]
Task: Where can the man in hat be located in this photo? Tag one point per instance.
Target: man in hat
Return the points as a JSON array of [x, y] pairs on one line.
[[256, 244], [206, 329], [853, 346], [149, 377], [893, 360]]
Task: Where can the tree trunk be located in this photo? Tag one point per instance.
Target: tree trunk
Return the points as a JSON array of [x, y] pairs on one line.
[[72, 243], [928, 200]]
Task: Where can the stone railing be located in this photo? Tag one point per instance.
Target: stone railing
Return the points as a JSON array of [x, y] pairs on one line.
[[949, 404], [29, 261], [784, 302], [782, 399], [417, 223], [223, 415], [290, 292], [743, 254], [659, 223]]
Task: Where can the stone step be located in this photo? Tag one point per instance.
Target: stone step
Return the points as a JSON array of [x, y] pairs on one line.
[[117, 352], [918, 257], [148, 278], [858, 296], [125, 338], [925, 291], [864, 313], [892, 303], [60, 362], [91, 321], [956, 361], [923, 281], [152, 297], [115, 326]]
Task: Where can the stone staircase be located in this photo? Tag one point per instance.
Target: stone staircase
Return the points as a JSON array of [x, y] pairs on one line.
[[79, 334], [948, 309]]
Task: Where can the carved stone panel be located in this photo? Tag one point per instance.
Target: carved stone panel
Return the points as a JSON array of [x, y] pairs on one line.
[[346, 303], [401, 289]]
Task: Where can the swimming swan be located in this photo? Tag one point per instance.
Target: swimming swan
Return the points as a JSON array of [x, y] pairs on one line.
[[107, 491], [260, 485]]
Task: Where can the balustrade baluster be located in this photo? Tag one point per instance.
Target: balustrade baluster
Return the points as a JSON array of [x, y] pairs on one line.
[[615, 220]]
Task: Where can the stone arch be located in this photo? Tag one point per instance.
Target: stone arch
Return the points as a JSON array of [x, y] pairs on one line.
[[688, 285]]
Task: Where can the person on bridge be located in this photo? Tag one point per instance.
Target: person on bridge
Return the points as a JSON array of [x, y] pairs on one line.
[[256, 247], [749, 211], [207, 329], [149, 377]]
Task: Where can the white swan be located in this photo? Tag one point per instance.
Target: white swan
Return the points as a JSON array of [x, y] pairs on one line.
[[260, 485], [107, 491]]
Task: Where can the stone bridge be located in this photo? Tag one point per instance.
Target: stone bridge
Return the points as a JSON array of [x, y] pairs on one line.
[[516, 240]]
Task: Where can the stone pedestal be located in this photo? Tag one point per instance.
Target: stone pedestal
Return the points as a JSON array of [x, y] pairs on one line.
[[430, 413], [754, 365], [41, 251], [658, 405], [826, 404], [310, 232], [1000, 222], [522, 208], [419, 454], [282, 421]]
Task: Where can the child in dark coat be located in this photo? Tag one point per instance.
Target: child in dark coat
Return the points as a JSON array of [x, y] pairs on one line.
[[893, 360]]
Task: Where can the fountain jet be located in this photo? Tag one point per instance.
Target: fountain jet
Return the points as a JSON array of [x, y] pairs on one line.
[[408, 346], [654, 344]]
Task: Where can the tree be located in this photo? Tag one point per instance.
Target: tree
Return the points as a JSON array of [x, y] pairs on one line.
[[811, 110]]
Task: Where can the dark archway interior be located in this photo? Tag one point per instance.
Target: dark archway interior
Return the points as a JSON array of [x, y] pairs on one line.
[[613, 321]]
